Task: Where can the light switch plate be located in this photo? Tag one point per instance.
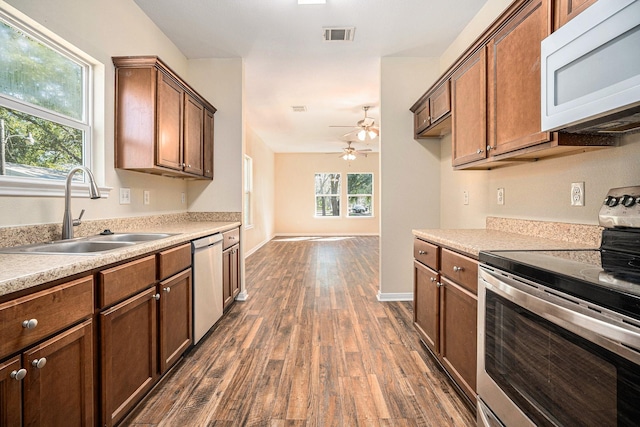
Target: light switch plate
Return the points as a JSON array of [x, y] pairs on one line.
[[125, 196]]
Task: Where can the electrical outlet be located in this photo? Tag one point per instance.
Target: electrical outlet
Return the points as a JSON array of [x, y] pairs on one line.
[[465, 197], [500, 196], [577, 194], [145, 197], [183, 198], [125, 196]]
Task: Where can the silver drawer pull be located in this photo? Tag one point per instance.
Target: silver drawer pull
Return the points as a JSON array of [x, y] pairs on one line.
[[39, 363], [30, 324], [167, 289], [422, 252], [457, 269], [19, 374]]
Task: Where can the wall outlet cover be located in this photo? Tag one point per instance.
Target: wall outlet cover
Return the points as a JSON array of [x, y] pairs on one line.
[[145, 197], [500, 196], [577, 194], [125, 196], [465, 197]]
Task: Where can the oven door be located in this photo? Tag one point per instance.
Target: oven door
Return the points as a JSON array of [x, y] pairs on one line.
[[548, 359]]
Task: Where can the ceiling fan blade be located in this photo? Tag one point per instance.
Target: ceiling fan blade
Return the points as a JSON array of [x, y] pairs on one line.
[[364, 150], [367, 121], [338, 126]]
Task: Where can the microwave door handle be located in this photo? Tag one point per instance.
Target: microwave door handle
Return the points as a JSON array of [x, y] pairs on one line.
[[614, 337]]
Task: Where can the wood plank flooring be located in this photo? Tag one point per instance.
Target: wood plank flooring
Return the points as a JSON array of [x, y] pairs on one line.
[[311, 346]]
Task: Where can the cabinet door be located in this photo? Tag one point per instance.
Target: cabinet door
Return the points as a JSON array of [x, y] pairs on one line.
[[169, 144], [129, 351], [208, 144], [458, 310], [235, 272], [514, 81], [421, 118], [227, 292], [60, 391], [10, 393], [193, 135], [469, 106], [426, 305], [175, 318], [566, 10], [440, 102]]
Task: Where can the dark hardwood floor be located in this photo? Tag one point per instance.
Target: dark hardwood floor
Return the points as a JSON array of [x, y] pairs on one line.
[[311, 346]]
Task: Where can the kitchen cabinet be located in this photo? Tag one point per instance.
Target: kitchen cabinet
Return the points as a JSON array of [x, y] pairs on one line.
[[162, 125], [445, 309], [469, 122], [230, 266], [175, 305], [432, 117], [565, 10], [50, 382]]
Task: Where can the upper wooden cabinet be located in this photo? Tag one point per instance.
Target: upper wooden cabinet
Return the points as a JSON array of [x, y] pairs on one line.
[[565, 10], [432, 114], [162, 125], [495, 93]]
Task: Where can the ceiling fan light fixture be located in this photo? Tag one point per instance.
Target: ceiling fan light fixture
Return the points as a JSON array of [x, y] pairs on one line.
[[362, 135], [349, 156], [372, 134]]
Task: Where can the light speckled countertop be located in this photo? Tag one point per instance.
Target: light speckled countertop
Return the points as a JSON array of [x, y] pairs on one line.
[[472, 241], [22, 271]]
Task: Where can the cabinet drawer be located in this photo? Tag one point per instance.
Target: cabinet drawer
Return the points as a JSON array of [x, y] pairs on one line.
[[125, 280], [52, 309], [173, 261], [230, 238], [426, 253], [461, 269]]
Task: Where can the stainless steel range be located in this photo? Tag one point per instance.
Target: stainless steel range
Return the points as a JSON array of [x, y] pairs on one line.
[[559, 331]]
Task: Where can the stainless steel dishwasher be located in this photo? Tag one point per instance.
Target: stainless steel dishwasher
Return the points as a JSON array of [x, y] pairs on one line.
[[207, 284]]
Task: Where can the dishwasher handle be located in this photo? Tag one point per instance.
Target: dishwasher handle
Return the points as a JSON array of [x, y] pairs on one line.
[[206, 241]]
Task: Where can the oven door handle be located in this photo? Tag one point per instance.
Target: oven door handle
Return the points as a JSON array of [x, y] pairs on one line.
[[571, 316]]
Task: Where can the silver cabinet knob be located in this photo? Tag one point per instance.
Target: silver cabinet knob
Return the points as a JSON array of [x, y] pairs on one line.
[[39, 363], [439, 284], [208, 171], [457, 269], [19, 374], [433, 279], [188, 166], [156, 297], [167, 289], [422, 252], [479, 151], [30, 324]]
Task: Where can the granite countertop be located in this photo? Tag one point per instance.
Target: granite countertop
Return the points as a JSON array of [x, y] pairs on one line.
[[472, 241], [22, 271]]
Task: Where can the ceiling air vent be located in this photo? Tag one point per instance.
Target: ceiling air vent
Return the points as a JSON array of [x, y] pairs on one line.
[[338, 34], [299, 109]]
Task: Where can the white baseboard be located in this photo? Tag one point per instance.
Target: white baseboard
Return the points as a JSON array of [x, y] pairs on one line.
[[258, 246], [324, 234], [242, 296], [404, 296]]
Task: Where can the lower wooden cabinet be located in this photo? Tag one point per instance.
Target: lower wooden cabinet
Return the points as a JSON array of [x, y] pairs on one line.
[[445, 311], [51, 384], [176, 332], [128, 343], [231, 275]]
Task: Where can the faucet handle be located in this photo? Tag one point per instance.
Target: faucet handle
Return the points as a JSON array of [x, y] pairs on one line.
[[78, 221]]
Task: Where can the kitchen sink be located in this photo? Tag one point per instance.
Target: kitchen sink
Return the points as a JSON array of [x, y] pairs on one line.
[[92, 245]]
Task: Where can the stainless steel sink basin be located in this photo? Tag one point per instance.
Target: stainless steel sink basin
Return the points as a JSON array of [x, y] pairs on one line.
[[75, 247], [129, 237], [86, 245]]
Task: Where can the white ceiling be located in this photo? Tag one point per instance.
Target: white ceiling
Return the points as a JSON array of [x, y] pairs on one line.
[[287, 62]]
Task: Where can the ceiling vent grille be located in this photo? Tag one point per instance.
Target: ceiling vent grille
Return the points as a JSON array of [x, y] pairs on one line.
[[338, 34], [299, 109]]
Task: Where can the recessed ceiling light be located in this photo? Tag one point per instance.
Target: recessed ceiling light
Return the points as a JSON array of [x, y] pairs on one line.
[[312, 1]]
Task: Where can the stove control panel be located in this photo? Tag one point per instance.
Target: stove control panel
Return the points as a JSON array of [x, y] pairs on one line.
[[621, 208]]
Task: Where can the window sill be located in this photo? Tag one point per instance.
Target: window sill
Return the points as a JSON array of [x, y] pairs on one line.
[[25, 187]]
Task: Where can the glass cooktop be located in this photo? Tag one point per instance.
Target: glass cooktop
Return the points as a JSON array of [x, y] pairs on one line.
[[579, 273]]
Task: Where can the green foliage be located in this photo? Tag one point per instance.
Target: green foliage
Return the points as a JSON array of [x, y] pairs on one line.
[[360, 183]]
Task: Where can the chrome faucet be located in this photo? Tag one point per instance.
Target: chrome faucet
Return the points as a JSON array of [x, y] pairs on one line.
[[67, 220]]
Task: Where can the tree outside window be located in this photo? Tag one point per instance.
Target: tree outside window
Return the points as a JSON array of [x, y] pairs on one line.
[[43, 106], [327, 194], [360, 194]]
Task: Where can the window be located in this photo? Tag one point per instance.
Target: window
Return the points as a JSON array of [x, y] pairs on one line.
[[248, 191], [44, 106], [360, 194], [327, 195]]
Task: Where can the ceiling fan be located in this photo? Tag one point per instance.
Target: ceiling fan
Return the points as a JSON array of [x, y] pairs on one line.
[[365, 128], [349, 152]]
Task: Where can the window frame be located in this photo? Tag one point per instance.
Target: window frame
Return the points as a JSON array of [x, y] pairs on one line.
[[26, 186], [355, 195], [338, 195], [248, 192]]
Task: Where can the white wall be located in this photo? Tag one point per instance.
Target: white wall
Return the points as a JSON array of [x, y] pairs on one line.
[[221, 82], [101, 30], [263, 228], [294, 197], [410, 172]]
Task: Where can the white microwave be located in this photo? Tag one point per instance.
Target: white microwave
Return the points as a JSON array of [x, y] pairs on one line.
[[591, 71]]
